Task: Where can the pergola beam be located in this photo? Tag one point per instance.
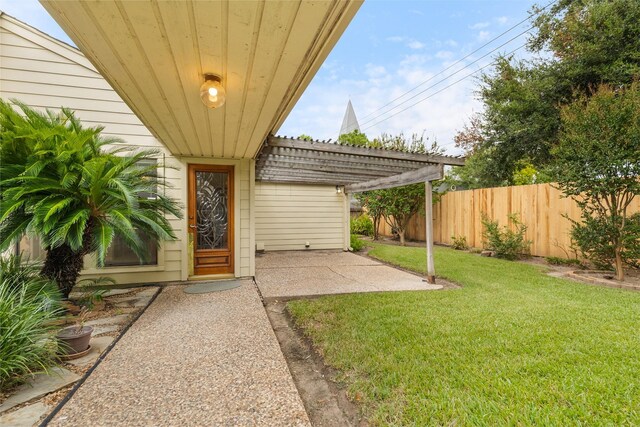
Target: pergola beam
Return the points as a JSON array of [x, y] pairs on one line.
[[427, 173], [323, 166], [274, 141], [269, 152]]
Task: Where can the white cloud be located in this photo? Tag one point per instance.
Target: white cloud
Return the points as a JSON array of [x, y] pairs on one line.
[[479, 25], [502, 20], [415, 44], [483, 36], [320, 110], [410, 43], [444, 54]]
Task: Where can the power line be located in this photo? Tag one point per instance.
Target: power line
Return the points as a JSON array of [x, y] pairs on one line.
[[462, 59], [441, 90], [447, 77]]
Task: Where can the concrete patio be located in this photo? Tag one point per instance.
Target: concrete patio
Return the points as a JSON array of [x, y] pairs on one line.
[[296, 274]]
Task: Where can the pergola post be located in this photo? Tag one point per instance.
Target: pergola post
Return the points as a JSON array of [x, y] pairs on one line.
[[346, 219], [428, 206]]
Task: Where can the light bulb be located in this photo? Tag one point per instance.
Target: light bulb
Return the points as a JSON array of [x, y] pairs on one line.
[[212, 92]]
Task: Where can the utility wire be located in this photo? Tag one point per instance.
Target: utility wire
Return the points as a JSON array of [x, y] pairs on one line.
[[441, 90], [447, 77], [462, 59]]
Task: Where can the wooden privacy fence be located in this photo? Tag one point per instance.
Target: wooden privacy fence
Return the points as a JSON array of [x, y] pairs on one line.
[[540, 206]]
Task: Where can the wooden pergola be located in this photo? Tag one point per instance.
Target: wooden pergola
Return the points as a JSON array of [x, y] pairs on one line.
[[354, 169]]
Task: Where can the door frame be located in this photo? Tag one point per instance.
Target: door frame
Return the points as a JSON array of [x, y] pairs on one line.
[[190, 196]]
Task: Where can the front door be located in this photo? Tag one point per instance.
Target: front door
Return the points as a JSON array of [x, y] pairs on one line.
[[211, 218]]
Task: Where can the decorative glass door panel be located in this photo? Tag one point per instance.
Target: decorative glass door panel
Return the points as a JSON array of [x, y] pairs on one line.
[[211, 218]]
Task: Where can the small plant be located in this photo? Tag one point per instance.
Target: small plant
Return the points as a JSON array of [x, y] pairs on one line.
[[507, 242], [459, 243], [356, 243], [29, 304], [81, 319], [89, 292], [362, 225]]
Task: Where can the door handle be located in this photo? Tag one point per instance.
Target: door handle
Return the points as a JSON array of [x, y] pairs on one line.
[[192, 226]]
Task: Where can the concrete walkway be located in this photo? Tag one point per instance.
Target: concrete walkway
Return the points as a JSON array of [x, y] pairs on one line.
[[213, 359], [299, 273], [192, 360]]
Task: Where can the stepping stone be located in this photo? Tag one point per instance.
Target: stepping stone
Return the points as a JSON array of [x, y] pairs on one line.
[[98, 345], [119, 319], [39, 386], [114, 292], [133, 302], [76, 294], [147, 293], [26, 416], [105, 329]]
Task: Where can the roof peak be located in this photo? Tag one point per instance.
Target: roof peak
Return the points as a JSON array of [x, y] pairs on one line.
[[349, 122]]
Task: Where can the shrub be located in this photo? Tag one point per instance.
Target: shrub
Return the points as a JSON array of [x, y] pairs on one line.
[[507, 242], [362, 225], [28, 305], [594, 237], [459, 243], [356, 243]]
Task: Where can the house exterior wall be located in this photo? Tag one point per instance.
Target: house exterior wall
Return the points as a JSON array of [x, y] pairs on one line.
[[289, 215], [45, 73]]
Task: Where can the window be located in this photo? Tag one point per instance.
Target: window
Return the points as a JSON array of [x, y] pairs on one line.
[[119, 254], [31, 249]]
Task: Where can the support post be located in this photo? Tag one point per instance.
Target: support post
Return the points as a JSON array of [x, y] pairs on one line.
[[346, 220], [428, 205]]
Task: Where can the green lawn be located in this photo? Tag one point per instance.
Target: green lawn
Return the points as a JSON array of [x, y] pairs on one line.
[[512, 347]]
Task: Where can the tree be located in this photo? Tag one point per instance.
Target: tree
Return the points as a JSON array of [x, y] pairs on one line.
[[305, 137], [395, 205], [578, 45], [598, 164], [374, 203], [58, 182], [356, 138], [400, 205]]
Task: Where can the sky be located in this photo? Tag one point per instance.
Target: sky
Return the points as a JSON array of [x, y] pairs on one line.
[[390, 48]]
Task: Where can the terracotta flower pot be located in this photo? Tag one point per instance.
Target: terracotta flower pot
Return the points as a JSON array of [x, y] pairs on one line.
[[74, 340]]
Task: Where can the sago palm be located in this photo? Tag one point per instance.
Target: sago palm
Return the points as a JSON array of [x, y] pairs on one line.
[[57, 181]]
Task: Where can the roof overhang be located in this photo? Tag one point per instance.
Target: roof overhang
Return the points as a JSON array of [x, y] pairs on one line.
[[154, 54], [357, 168]]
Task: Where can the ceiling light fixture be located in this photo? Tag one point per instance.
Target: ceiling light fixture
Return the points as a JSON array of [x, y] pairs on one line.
[[212, 92]]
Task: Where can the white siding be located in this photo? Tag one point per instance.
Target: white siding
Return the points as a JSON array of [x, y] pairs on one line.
[[289, 215], [45, 73]]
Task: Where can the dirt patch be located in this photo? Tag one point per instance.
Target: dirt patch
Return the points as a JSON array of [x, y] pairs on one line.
[[324, 398], [607, 278]]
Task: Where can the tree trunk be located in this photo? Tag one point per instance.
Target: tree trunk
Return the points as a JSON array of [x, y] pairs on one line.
[[619, 265], [63, 265], [376, 224], [401, 235]]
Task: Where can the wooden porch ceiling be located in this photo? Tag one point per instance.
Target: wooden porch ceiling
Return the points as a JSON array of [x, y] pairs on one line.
[[360, 169], [155, 53]]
